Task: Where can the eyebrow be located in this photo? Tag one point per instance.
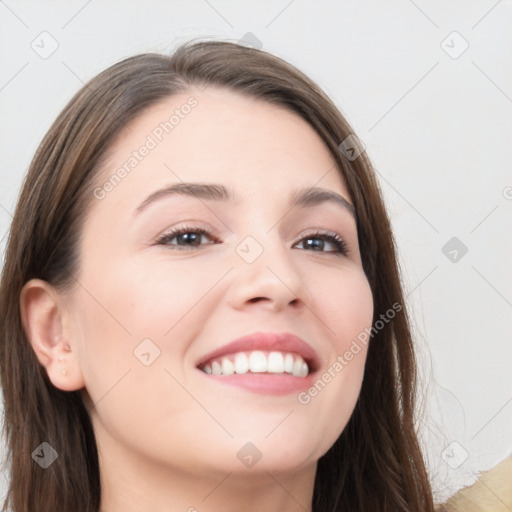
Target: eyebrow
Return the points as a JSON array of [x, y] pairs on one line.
[[311, 196]]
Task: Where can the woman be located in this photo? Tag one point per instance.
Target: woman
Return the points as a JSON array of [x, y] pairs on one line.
[[210, 315]]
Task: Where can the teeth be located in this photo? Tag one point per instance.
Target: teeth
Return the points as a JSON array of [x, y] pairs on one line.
[[216, 368], [258, 362], [288, 363], [241, 363], [228, 368], [275, 362], [297, 367]]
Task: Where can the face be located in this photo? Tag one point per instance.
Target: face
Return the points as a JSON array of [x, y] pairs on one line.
[[209, 317]]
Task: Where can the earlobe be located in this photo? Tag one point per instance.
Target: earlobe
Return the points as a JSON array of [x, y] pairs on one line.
[[44, 323]]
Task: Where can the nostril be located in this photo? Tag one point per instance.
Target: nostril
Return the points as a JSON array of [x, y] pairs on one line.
[[293, 302], [260, 299]]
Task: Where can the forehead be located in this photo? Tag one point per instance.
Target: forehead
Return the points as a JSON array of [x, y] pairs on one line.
[[218, 135]]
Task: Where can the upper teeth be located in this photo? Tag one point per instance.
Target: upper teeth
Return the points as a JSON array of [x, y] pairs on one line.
[[258, 361]]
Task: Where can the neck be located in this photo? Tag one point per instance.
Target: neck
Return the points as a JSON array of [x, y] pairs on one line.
[[130, 483]]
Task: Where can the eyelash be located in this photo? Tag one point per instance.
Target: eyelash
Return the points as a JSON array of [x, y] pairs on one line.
[[334, 238]]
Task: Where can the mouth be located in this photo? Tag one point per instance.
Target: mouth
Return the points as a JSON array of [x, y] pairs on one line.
[[257, 361], [268, 363]]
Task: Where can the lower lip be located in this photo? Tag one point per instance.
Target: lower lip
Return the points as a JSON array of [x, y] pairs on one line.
[[264, 383]]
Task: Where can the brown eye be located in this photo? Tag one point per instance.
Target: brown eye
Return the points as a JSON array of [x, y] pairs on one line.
[[185, 237], [320, 242]]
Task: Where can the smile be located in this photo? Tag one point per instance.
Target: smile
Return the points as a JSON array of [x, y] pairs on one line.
[[257, 361]]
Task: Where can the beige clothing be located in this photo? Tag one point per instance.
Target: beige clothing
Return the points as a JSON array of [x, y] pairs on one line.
[[492, 492]]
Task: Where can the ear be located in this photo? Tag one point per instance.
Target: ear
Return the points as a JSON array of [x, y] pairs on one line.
[[46, 323]]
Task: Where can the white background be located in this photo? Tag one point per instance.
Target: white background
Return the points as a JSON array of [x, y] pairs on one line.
[[438, 129]]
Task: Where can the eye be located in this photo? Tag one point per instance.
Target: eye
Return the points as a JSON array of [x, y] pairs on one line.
[[183, 237], [324, 242]]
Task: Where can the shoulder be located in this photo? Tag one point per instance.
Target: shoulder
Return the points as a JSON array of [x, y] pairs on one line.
[[492, 492]]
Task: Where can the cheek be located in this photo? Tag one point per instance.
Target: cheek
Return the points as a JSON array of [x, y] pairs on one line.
[[132, 304], [135, 326], [166, 298], [346, 304], [346, 309]]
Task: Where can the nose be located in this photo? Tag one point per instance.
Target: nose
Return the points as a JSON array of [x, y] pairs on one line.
[[271, 282]]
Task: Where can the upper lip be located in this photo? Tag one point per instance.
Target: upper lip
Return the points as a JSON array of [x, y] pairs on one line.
[[278, 342]]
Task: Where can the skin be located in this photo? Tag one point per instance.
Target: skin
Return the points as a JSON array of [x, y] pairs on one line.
[[167, 437]]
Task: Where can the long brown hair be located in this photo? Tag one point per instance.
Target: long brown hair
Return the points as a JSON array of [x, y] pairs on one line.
[[376, 463]]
